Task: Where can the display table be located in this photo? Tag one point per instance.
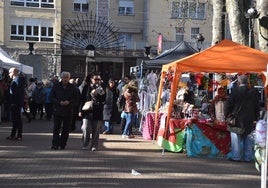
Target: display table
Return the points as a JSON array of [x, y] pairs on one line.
[[201, 139], [174, 139], [149, 124], [207, 140]]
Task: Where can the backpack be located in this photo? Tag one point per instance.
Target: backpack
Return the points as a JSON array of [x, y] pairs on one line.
[[121, 103]]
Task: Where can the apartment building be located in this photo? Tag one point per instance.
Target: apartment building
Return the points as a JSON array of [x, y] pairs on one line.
[[108, 36]]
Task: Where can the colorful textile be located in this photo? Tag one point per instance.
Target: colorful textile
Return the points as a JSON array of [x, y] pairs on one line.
[[211, 137], [174, 139], [198, 145], [149, 125]]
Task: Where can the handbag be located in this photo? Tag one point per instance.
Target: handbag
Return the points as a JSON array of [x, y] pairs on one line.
[[237, 130], [88, 106], [232, 124], [231, 120]]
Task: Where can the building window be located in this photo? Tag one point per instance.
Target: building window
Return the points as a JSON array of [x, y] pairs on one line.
[[179, 34], [188, 9], [39, 30], [126, 7], [125, 37], [47, 34], [194, 32], [33, 3], [81, 5]]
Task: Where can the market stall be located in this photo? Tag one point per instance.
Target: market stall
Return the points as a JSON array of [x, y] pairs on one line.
[[224, 57]]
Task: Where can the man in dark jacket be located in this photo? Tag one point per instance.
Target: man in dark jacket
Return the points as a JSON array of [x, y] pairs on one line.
[[63, 95], [243, 100], [17, 100]]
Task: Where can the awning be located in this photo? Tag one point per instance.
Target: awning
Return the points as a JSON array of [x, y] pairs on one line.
[[7, 62]]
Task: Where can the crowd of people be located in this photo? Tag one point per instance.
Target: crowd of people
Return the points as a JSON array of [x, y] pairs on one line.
[[98, 106], [63, 100]]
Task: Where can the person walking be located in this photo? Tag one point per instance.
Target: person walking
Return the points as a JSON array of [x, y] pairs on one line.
[[17, 100], [130, 109], [48, 103], [62, 96], [30, 89], [244, 101], [110, 111], [76, 107], [39, 96], [92, 118], [121, 100]]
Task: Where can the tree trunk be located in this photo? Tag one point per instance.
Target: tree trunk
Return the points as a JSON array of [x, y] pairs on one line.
[[237, 21], [217, 27], [262, 6]]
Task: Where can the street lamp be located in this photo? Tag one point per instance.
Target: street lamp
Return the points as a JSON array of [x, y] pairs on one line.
[[251, 14], [147, 50], [31, 48], [199, 41]]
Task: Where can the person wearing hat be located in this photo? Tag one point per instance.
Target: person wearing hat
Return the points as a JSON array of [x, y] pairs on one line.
[[244, 101]]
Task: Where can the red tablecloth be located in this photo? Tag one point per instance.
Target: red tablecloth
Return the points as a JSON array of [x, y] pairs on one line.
[[149, 125], [218, 135]]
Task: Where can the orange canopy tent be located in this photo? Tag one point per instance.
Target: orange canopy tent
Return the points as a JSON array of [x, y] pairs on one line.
[[224, 57]]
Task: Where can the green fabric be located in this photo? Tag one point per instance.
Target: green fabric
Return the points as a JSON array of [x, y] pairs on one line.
[[173, 147]]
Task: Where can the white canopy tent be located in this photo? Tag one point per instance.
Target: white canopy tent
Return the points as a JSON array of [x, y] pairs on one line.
[[7, 62]]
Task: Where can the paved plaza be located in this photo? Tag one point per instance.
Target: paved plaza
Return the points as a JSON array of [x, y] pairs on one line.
[[31, 163]]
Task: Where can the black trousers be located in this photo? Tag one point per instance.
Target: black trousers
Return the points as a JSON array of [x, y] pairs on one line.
[[16, 120], [61, 123]]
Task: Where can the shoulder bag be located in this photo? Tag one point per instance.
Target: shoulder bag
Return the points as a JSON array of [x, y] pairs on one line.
[[233, 122]]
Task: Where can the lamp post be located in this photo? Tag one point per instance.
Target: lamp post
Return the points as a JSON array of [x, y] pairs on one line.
[[31, 48], [147, 50], [251, 14], [199, 41]]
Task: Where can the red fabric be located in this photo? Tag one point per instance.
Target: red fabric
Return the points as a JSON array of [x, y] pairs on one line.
[[148, 125], [217, 134], [175, 124]]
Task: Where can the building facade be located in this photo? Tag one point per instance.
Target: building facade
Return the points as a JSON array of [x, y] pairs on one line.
[[107, 36]]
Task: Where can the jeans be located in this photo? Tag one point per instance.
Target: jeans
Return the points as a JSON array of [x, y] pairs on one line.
[[108, 126], [241, 147], [130, 120]]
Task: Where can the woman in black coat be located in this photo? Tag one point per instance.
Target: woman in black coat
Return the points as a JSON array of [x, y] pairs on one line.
[[110, 111]]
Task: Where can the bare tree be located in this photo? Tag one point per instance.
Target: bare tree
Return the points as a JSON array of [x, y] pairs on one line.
[[217, 26], [262, 6], [237, 20]]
